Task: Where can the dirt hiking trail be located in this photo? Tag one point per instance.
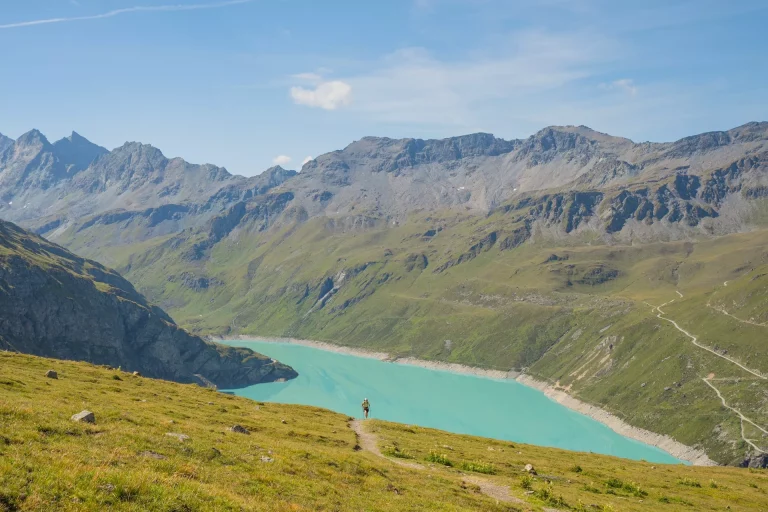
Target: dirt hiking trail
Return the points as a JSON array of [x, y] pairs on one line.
[[368, 442]]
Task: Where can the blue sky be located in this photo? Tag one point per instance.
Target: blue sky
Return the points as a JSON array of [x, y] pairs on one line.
[[243, 83]]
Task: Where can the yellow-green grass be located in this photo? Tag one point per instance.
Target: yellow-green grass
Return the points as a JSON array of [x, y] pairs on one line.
[[584, 481], [295, 457]]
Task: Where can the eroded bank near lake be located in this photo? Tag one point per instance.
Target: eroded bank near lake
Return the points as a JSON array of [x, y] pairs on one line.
[[465, 404]]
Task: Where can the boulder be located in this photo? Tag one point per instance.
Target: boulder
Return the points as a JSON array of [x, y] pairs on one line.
[[239, 429], [136, 374], [530, 469], [85, 417], [51, 374]]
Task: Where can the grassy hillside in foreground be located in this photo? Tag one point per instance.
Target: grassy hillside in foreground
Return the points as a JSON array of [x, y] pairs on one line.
[[295, 457], [573, 310]]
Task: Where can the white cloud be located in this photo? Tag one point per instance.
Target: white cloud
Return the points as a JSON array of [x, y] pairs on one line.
[[281, 160], [326, 95], [308, 77], [507, 81], [307, 159], [126, 10], [624, 84]]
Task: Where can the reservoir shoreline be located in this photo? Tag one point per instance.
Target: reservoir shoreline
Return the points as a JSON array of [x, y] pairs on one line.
[[678, 450]]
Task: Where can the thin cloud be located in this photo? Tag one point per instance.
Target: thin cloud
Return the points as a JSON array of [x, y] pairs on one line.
[[412, 86], [127, 10], [306, 160], [281, 160], [308, 77], [624, 84]]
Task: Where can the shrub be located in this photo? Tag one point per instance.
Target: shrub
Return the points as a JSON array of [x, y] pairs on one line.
[[591, 488], [478, 467], [439, 458], [546, 495], [690, 482], [394, 451], [667, 499], [526, 481], [580, 507], [576, 469], [615, 483], [634, 489]]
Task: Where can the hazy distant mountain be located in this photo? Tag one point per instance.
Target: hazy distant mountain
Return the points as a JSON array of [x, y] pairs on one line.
[[49, 186], [380, 179], [389, 177]]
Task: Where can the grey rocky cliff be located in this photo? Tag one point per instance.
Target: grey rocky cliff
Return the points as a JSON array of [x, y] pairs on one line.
[[55, 304]]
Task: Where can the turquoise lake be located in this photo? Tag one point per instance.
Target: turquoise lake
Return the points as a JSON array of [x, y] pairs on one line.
[[501, 409]]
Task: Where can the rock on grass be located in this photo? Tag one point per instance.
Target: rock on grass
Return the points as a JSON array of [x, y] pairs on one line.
[[85, 417]]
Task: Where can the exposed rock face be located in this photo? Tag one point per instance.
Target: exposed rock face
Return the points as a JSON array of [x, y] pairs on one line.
[[55, 304], [570, 176], [47, 186], [759, 460], [483, 245], [5, 143]]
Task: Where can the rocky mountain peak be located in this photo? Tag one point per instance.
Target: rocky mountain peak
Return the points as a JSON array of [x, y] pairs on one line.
[[76, 152], [136, 153], [750, 132], [78, 140], [276, 169], [277, 174], [543, 146], [134, 146], [5, 142], [32, 138]]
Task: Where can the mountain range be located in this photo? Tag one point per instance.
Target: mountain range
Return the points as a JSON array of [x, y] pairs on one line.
[[613, 270], [53, 186]]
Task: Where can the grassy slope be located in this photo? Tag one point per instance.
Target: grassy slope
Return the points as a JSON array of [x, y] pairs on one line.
[[47, 462], [502, 309]]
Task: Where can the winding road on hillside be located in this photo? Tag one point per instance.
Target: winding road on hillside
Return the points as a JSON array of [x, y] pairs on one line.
[[707, 380], [743, 418], [723, 311], [695, 341]]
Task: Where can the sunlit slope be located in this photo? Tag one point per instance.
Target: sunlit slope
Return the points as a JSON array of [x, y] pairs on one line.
[[294, 457]]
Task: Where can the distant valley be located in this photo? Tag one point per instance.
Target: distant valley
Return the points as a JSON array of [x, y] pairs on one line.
[[575, 257]]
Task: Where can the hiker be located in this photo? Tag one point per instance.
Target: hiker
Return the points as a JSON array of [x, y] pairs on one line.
[[366, 407]]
